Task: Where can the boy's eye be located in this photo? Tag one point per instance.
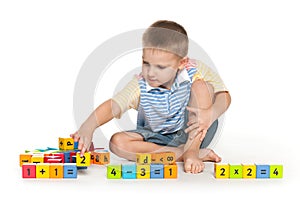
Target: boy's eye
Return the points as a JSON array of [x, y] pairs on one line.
[[146, 63], [161, 67]]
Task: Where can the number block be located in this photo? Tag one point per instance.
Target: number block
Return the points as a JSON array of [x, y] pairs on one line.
[[276, 171], [143, 171], [170, 171], [66, 143], [56, 170], [25, 158], [42, 170], [249, 170], [235, 171], [143, 158], [83, 161], [221, 170], [29, 170], [156, 171], [70, 170], [114, 171], [262, 171], [129, 171]]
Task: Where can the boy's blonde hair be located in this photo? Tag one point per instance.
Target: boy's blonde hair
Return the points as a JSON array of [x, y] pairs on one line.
[[168, 36]]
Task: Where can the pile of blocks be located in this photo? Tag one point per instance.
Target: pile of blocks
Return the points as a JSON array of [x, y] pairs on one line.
[[147, 166], [235, 171], [61, 162]]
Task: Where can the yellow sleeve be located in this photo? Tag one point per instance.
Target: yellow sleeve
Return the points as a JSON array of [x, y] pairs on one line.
[[128, 97], [209, 75]]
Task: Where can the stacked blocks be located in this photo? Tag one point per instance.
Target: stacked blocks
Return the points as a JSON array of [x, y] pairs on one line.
[[147, 166], [63, 162], [247, 171]]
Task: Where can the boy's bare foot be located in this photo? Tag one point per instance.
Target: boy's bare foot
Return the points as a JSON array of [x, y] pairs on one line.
[[209, 155], [192, 163]]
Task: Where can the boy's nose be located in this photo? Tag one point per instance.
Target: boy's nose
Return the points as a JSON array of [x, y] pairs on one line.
[[151, 71]]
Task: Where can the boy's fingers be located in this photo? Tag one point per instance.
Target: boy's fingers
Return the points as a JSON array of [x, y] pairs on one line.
[[203, 134], [193, 110], [190, 128]]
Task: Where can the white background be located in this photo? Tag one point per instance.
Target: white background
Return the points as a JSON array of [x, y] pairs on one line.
[[255, 46]]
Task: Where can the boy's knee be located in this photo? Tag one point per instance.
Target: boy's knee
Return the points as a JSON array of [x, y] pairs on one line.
[[116, 141]]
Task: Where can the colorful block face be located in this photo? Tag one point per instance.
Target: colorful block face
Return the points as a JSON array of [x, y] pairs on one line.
[[236, 171], [129, 171], [143, 171], [101, 157], [25, 158], [221, 170], [169, 158], [249, 171], [156, 171], [66, 143], [262, 171], [42, 170], [83, 161], [114, 171], [170, 171], [143, 158], [70, 170], [157, 158], [29, 170], [56, 170], [37, 159], [276, 171]]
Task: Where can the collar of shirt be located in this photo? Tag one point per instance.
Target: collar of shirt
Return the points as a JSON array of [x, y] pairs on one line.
[[183, 76]]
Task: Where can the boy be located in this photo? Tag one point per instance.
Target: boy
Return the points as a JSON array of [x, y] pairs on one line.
[[178, 100]]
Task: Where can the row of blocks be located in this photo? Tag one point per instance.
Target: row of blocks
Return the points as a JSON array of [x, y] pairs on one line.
[[148, 165], [235, 171]]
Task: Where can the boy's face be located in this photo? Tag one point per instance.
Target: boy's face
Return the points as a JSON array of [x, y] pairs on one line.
[[160, 67]]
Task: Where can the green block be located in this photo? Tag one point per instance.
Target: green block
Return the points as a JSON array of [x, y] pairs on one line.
[[114, 171], [235, 171], [276, 171]]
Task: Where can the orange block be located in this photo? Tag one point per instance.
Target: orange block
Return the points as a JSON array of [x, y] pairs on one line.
[[56, 170], [25, 158], [170, 171]]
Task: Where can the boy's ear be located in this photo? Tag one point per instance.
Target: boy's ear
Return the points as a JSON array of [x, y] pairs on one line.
[[183, 62]]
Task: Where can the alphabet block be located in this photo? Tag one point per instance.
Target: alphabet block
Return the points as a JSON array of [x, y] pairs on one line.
[[235, 171], [221, 170], [143, 171], [129, 171], [170, 171], [276, 171], [114, 171], [66, 143], [143, 158], [249, 170]]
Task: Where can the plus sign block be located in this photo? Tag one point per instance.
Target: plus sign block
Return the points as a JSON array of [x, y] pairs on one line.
[[42, 170]]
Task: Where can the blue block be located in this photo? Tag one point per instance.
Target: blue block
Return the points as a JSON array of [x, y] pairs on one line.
[[156, 171], [129, 171], [75, 145], [262, 171], [70, 170], [67, 157]]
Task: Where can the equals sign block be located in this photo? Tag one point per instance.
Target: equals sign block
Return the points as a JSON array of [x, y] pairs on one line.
[[70, 170], [128, 171], [262, 171], [156, 171]]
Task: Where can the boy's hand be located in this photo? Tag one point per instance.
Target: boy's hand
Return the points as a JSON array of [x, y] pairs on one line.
[[199, 121]]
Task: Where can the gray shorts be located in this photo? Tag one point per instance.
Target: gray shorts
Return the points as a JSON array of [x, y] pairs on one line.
[[176, 138]]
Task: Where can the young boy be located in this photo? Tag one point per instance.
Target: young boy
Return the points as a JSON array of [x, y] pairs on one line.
[[179, 101]]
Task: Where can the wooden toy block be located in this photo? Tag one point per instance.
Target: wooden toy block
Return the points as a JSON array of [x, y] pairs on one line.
[[114, 171], [221, 170], [235, 171], [143, 171], [42, 170], [51, 157], [56, 170], [249, 170], [25, 158], [72, 154], [60, 155], [129, 171], [276, 171], [169, 157], [262, 171], [66, 143], [83, 161], [170, 171], [101, 157], [70, 170], [143, 158], [157, 158], [67, 157], [29, 170], [156, 170], [37, 158]]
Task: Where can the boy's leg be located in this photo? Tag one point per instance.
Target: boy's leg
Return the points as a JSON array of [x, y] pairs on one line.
[[127, 144]]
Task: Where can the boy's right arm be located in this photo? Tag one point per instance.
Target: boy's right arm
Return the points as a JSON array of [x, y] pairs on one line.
[[102, 114]]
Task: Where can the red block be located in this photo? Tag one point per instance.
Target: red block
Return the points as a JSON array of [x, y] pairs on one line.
[[29, 170]]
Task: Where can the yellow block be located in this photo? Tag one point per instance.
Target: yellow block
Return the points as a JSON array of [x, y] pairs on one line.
[[66, 143], [56, 170], [221, 170], [37, 158], [249, 170], [42, 170], [83, 161], [142, 171], [143, 158], [25, 158]]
